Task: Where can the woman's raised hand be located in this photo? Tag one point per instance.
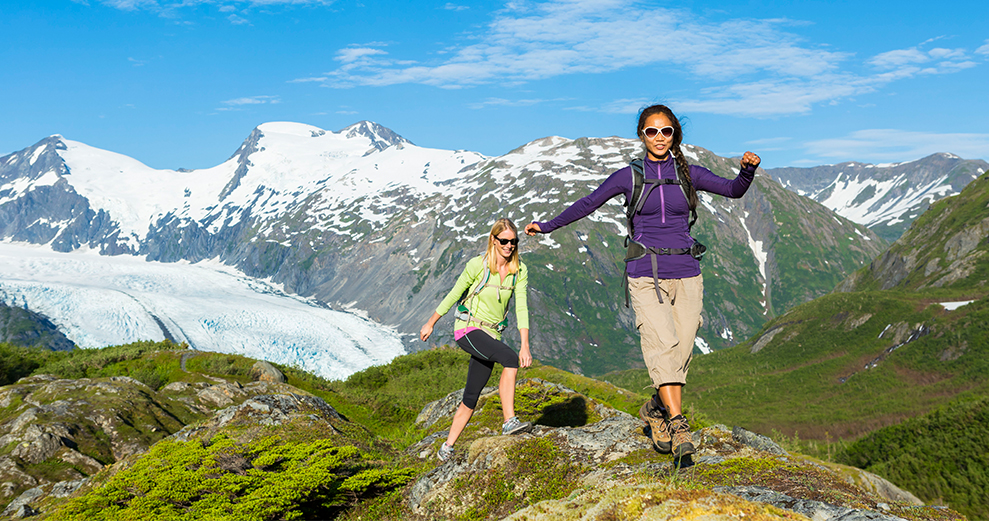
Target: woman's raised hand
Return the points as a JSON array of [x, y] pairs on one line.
[[748, 159], [532, 229]]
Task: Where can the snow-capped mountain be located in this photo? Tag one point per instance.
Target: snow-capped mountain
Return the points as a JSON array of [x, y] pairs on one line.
[[885, 197], [363, 219]]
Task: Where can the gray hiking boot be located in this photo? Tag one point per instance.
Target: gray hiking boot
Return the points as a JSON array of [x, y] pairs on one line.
[[682, 441], [514, 426], [445, 452], [659, 426]]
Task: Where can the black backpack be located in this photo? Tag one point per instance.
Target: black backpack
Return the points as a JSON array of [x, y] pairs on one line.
[[636, 250]]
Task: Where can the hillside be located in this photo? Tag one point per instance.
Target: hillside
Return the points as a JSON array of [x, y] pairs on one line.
[[951, 444], [26, 328], [361, 219], [157, 431]]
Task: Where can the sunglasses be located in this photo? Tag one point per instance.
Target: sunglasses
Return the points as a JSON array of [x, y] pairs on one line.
[[650, 132], [513, 242]]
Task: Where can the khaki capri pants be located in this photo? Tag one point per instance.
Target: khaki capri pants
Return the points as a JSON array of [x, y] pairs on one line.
[[667, 329]]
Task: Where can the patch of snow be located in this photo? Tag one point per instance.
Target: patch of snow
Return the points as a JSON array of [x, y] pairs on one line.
[[761, 256], [951, 306], [701, 344]]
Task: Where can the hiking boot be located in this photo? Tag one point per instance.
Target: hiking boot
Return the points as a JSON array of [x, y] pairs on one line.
[[659, 426], [682, 442], [514, 426], [445, 452]]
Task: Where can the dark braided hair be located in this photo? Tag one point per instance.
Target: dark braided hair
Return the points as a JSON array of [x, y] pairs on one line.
[[683, 168]]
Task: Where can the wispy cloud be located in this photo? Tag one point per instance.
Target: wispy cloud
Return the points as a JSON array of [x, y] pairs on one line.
[[501, 102], [455, 7], [754, 67], [237, 103], [984, 50], [913, 61], [238, 20], [137, 63], [895, 145], [164, 6]]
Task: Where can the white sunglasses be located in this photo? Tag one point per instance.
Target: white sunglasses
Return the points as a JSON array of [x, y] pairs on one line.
[[651, 132]]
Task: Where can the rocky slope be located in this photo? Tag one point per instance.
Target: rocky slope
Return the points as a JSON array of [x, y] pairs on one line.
[[271, 450], [23, 327], [886, 197], [361, 218], [944, 250]]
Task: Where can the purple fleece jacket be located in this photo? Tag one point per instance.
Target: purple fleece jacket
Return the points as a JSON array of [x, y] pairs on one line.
[[665, 214]]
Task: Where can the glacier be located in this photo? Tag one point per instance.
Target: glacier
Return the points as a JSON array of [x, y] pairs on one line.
[[99, 300]]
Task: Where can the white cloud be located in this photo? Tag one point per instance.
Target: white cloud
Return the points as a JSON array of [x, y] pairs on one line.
[[169, 5], [895, 145], [253, 100], [905, 63], [501, 102], [455, 7], [535, 41], [984, 50], [755, 67], [309, 80], [237, 20], [353, 54]]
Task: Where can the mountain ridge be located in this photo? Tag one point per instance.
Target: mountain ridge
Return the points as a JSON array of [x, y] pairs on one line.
[[385, 230]]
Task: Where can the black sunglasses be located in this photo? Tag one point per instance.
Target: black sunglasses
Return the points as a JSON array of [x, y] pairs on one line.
[[514, 242]]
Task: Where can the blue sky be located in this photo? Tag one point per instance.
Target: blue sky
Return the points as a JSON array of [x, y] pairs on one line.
[[181, 83]]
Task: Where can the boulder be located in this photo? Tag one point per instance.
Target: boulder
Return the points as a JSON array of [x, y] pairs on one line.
[[221, 395], [265, 410], [263, 371]]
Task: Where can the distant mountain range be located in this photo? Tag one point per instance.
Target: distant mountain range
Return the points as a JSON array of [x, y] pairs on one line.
[[885, 197], [363, 219]]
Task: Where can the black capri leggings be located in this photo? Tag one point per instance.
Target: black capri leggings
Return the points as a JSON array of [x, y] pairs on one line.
[[484, 351]]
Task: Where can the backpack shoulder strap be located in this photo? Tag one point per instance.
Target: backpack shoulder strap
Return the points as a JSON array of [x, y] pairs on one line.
[[632, 202]]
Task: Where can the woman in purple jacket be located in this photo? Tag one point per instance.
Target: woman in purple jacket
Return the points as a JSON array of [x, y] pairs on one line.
[[665, 284]]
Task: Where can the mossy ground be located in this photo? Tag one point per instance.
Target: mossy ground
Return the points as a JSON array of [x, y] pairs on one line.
[[534, 470]]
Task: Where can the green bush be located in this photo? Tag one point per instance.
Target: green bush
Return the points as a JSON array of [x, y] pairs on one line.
[[220, 479], [17, 362]]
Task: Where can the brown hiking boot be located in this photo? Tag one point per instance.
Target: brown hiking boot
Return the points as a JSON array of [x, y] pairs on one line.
[[659, 427], [682, 442]]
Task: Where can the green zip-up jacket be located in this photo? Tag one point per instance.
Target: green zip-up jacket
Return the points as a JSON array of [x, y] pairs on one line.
[[490, 304]]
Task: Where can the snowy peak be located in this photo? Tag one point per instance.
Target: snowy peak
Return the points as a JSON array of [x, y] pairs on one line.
[[34, 162], [885, 197], [381, 137]]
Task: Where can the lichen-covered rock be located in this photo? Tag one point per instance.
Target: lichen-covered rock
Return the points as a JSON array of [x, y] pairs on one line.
[[54, 429], [813, 509], [222, 394], [263, 371], [607, 469], [757, 441], [264, 410]]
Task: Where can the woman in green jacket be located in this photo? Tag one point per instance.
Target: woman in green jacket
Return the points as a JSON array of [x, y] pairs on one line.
[[489, 281]]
